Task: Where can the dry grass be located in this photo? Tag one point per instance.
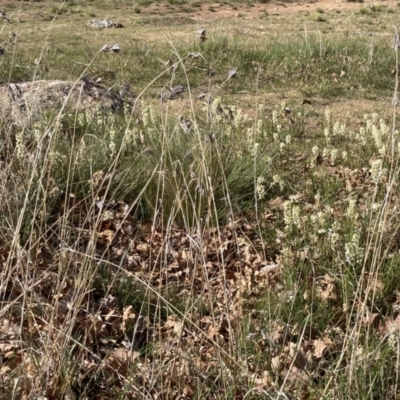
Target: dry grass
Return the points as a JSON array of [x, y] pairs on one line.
[[240, 247]]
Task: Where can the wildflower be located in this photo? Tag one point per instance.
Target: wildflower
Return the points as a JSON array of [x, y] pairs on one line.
[[20, 145], [275, 120], [328, 117], [353, 252], [327, 134], [376, 170], [254, 149], [333, 235], [287, 213], [291, 214], [112, 144], [339, 129], [351, 208], [238, 118], [260, 187]]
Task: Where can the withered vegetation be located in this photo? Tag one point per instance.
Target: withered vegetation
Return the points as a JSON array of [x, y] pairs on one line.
[[206, 208]]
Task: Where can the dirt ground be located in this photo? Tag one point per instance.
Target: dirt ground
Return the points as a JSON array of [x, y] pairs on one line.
[[217, 10]]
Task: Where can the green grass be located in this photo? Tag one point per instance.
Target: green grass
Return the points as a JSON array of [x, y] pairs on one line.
[[311, 64]]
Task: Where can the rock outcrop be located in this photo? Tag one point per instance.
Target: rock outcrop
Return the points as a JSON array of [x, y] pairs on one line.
[[27, 101]]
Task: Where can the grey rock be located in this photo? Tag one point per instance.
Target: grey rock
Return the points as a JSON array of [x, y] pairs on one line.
[[104, 23], [21, 103]]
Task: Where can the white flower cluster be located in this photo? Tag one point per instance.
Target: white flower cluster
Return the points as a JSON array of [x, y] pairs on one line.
[[291, 214], [353, 252], [379, 131], [20, 145], [260, 187], [334, 235], [378, 173], [318, 220], [278, 180], [351, 209]]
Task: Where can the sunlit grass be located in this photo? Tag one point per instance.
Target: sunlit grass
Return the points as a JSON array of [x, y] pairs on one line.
[[248, 247]]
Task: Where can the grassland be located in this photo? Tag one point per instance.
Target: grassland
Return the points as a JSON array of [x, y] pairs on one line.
[[237, 240]]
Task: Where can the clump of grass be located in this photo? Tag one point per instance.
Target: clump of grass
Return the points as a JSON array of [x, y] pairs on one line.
[[364, 10], [317, 17], [177, 2], [145, 3]]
